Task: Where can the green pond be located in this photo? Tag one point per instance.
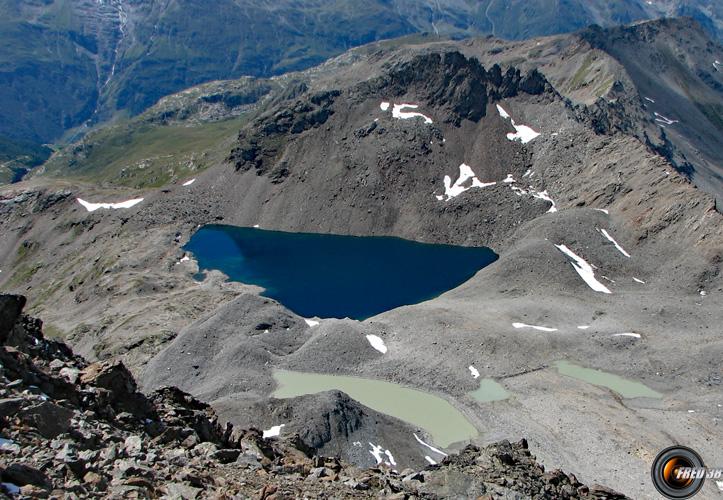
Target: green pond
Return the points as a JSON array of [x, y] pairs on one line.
[[442, 421], [489, 391], [626, 388]]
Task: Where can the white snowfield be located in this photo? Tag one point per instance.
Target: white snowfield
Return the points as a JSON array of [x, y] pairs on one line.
[[523, 133], [535, 327], [633, 335], [311, 322], [426, 445], [584, 270], [610, 238], [504, 114], [463, 184], [273, 432], [398, 112], [379, 454], [473, 371], [663, 119], [188, 183], [543, 195], [465, 174], [92, 207], [377, 343]]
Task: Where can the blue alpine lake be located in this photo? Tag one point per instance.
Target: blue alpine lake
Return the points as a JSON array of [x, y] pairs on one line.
[[332, 276]]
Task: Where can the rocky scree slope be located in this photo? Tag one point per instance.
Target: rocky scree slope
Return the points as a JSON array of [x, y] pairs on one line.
[[73, 428]]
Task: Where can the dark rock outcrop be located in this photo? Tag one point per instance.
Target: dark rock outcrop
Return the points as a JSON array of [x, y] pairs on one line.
[[454, 82]]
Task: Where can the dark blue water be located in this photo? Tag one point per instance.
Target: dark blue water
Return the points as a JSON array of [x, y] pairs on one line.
[[334, 276]]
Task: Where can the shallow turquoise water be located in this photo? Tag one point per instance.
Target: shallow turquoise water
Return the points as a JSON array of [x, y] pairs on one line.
[[435, 415], [489, 390], [334, 276], [626, 388]]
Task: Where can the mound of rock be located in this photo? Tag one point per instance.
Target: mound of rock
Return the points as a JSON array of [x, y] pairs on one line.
[[75, 430]]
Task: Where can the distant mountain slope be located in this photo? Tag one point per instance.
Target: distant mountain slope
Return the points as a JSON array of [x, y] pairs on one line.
[[670, 98], [66, 64]]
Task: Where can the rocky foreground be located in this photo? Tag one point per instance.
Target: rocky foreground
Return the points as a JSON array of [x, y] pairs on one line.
[[70, 429]]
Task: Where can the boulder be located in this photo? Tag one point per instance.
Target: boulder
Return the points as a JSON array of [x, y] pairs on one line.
[[11, 306], [115, 378], [48, 418], [21, 475]]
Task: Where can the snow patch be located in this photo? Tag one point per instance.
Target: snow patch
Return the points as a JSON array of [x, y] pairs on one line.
[[509, 179], [541, 328], [188, 183], [376, 451], [432, 462], [523, 133], [638, 280], [649, 99], [583, 327], [377, 343], [311, 322], [465, 175], [603, 210], [390, 457], [384, 106], [663, 119], [273, 432], [543, 195], [584, 270], [610, 238], [628, 334], [380, 453], [436, 450], [504, 114], [92, 207], [473, 371], [398, 112]]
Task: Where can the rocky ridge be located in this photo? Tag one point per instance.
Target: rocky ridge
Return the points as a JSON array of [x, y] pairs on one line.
[[77, 430]]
